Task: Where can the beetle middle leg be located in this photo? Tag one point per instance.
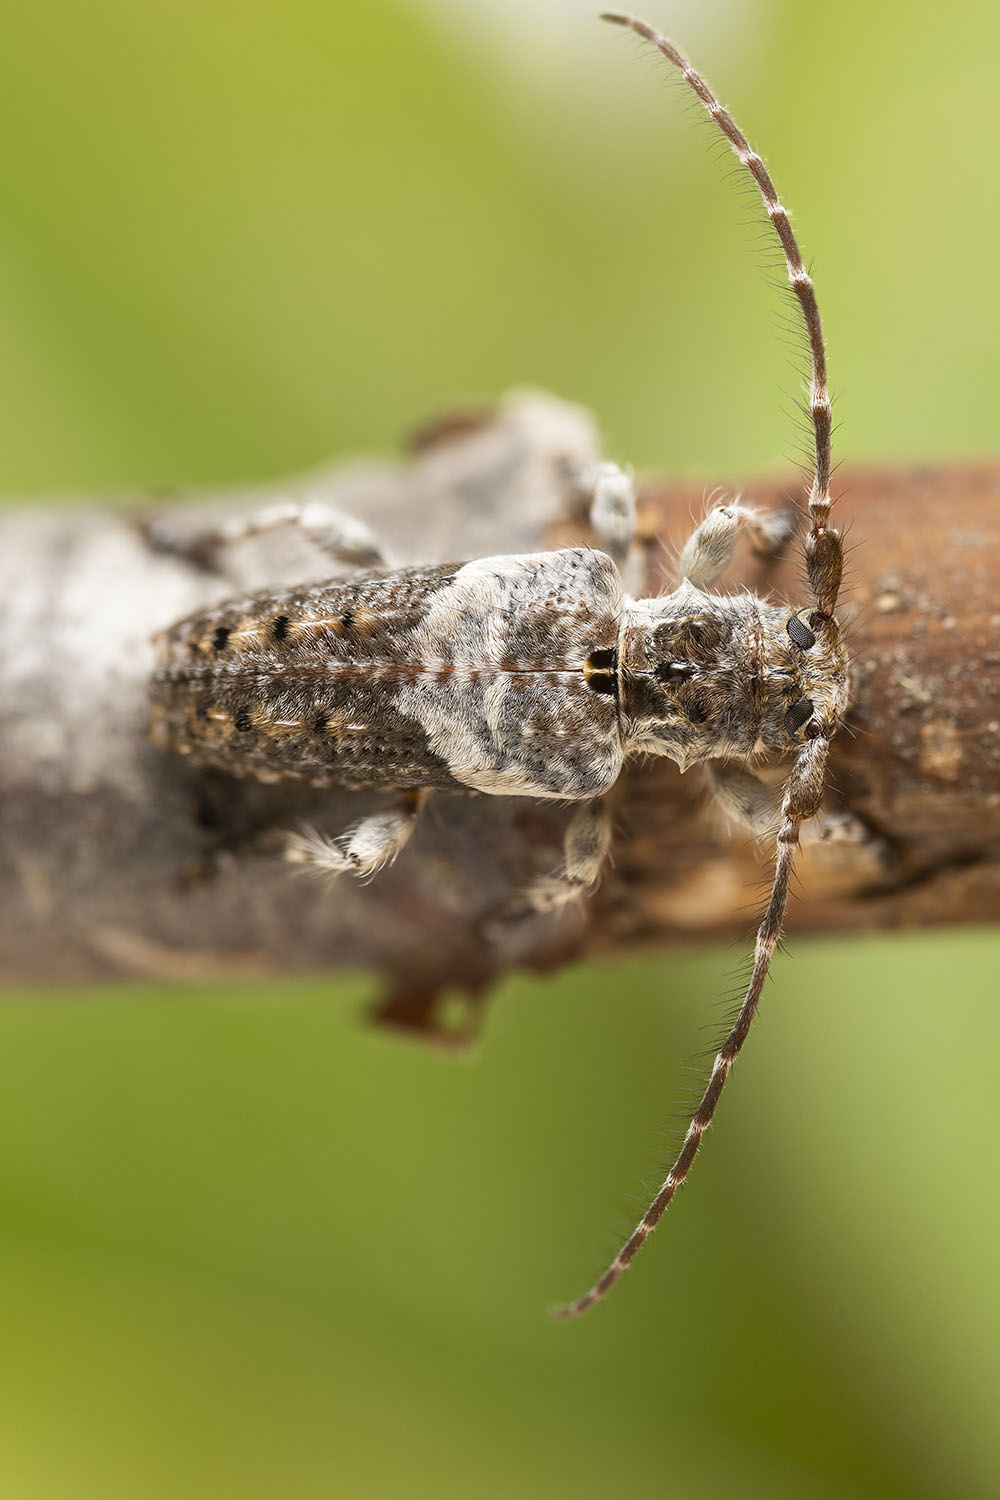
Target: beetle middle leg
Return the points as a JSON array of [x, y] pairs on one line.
[[613, 511], [604, 496], [365, 847]]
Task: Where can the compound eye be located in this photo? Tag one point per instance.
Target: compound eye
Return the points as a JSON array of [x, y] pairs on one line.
[[797, 715], [800, 634]]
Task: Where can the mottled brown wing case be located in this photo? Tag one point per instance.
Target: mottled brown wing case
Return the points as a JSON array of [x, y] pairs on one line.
[[292, 685], [458, 675]]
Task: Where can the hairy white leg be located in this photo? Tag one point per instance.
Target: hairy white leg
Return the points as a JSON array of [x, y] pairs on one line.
[[585, 848], [743, 797], [604, 494], [612, 510], [709, 550], [341, 537], [362, 849]]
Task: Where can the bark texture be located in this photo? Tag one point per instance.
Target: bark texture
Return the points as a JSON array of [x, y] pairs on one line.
[[118, 860]]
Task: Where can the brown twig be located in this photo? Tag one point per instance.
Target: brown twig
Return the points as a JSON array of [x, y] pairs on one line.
[[116, 860]]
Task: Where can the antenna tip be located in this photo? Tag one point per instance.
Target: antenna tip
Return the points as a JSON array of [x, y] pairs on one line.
[[616, 17]]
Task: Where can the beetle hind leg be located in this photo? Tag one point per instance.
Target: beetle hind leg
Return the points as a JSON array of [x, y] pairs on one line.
[[340, 537]]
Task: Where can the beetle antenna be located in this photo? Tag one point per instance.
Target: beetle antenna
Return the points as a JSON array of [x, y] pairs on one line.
[[824, 554], [800, 801]]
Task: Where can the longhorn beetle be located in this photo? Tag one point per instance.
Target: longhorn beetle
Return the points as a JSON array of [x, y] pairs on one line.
[[535, 676]]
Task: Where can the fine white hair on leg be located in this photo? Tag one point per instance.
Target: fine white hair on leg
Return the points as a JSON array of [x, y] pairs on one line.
[[340, 537], [743, 797], [613, 511], [362, 849], [709, 550], [585, 848]]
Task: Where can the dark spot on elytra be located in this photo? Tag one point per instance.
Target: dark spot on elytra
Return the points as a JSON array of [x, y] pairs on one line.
[[321, 723], [221, 637], [279, 627], [695, 711], [242, 720], [347, 619]]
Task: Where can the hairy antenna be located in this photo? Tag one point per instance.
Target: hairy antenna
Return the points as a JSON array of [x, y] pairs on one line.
[[824, 564], [824, 559], [801, 800]]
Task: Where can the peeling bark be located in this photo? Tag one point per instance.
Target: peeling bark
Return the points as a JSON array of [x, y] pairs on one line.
[[117, 860]]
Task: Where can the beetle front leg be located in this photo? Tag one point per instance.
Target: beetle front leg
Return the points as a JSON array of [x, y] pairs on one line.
[[709, 550], [743, 797], [585, 848]]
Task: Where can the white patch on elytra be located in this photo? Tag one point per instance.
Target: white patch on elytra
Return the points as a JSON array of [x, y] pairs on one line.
[[480, 724]]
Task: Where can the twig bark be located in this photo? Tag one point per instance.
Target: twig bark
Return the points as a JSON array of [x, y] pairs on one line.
[[117, 860]]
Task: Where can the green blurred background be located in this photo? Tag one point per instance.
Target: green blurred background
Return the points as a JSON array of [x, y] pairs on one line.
[[248, 1247]]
